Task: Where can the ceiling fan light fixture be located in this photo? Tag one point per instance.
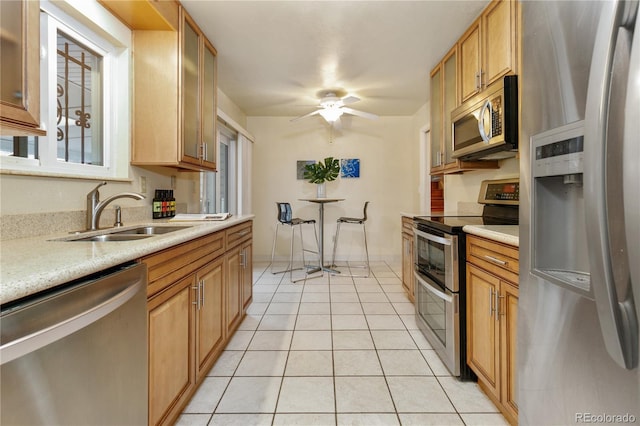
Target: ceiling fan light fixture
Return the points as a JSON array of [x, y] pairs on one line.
[[331, 114]]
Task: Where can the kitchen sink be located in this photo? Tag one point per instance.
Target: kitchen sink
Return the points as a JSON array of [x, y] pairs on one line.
[[151, 230], [132, 234], [112, 237]]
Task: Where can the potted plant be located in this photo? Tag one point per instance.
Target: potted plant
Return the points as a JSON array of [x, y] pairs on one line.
[[322, 172]]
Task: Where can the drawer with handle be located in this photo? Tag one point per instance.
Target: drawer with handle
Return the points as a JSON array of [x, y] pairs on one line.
[[407, 225], [238, 234], [499, 259]]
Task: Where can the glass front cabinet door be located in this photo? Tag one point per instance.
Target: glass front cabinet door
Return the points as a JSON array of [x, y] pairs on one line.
[[19, 55], [198, 97]]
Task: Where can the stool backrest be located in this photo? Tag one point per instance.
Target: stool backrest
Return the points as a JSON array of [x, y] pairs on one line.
[[284, 212], [364, 212]]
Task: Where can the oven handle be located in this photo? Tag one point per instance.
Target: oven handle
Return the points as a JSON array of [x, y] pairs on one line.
[[439, 293], [441, 240]]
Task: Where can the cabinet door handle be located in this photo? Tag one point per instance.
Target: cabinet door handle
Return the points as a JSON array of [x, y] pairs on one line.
[[491, 302], [243, 259], [477, 81], [481, 74], [499, 312], [241, 234], [496, 260], [202, 293], [204, 151], [197, 301]]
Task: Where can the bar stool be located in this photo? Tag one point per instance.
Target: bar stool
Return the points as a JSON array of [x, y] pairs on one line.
[[285, 217], [357, 221]]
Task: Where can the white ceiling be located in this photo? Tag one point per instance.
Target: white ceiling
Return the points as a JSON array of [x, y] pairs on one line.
[[274, 56]]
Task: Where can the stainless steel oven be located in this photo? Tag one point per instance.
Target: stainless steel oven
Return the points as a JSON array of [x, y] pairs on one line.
[[437, 297], [440, 271]]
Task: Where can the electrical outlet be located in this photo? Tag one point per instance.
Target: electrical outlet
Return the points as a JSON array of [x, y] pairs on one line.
[[143, 184], [173, 182]]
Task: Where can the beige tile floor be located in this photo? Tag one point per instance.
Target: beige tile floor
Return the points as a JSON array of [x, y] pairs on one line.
[[334, 350]]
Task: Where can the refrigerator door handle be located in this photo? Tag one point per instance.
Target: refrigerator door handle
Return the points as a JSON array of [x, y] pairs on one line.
[[631, 177], [618, 319]]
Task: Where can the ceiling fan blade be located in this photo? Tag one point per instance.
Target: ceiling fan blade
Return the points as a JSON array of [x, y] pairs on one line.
[[306, 115], [349, 99], [362, 114]]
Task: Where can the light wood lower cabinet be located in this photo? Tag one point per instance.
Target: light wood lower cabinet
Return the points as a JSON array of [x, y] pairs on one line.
[[193, 290], [210, 330], [407, 257], [238, 261], [492, 315], [171, 328], [234, 290]]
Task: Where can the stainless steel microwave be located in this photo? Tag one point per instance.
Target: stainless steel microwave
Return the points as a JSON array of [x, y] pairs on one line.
[[486, 125]]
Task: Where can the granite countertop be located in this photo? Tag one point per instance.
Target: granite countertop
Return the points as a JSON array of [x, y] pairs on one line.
[[507, 234], [31, 265]]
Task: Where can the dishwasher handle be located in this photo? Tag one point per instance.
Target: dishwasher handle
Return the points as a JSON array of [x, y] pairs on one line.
[[46, 320]]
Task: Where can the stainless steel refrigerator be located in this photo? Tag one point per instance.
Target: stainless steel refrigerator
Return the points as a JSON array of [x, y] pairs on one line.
[[579, 213]]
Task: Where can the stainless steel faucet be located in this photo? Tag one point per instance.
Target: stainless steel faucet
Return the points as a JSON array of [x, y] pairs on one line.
[[95, 206]]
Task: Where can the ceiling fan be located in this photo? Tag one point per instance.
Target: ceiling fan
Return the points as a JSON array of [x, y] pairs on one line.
[[332, 106]]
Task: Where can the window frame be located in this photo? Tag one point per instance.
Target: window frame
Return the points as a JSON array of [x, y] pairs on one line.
[[111, 39]]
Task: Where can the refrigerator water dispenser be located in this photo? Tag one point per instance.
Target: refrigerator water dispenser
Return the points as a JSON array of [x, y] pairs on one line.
[[559, 237]]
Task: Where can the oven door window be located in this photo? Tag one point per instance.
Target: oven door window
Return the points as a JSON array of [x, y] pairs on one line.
[[431, 260], [433, 311]]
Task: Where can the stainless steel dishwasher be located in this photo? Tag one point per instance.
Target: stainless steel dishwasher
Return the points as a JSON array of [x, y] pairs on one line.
[[77, 355]]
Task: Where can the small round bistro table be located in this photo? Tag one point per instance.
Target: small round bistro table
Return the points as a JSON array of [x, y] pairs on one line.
[[321, 202]]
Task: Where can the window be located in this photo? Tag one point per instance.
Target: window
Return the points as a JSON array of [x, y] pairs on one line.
[[84, 63], [78, 97], [219, 190]]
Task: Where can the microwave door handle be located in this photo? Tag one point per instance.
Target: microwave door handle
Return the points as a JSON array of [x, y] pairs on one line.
[[483, 134], [631, 172], [618, 320]]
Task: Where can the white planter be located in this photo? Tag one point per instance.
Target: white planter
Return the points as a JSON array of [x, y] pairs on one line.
[[321, 190]]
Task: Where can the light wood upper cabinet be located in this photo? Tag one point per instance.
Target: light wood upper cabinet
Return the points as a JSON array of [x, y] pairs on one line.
[[444, 92], [486, 52], [174, 115], [145, 14], [489, 48], [499, 40], [470, 65], [436, 118], [444, 99], [449, 102], [20, 58]]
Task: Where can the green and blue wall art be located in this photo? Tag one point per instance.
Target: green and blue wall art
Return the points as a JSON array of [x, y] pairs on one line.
[[350, 168]]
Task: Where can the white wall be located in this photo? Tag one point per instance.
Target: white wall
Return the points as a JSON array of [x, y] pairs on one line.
[[41, 194], [387, 149], [461, 191]]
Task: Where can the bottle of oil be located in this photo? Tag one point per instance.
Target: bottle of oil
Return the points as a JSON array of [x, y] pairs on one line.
[[157, 205]]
